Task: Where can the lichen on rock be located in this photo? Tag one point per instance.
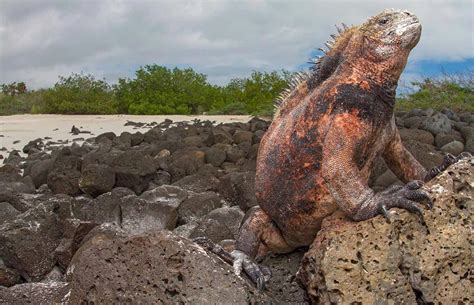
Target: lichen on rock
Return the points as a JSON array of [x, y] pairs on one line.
[[402, 262]]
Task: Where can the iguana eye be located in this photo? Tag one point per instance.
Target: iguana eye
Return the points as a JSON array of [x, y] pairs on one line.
[[383, 21]]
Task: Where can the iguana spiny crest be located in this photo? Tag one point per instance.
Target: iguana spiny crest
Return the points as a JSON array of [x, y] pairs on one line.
[[378, 39]]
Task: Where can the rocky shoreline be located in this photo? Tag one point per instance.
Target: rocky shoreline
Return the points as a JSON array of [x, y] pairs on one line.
[[90, 222]]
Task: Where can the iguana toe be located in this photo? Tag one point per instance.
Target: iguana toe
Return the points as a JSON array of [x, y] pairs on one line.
[[464, 155], [408, 197], [260, 275]]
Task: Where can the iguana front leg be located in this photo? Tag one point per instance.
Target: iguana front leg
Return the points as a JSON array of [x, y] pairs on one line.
[[448, 160], [346, 185], [406, 167]]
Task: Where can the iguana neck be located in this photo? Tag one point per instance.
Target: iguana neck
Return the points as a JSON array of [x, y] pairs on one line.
[[380, 81]]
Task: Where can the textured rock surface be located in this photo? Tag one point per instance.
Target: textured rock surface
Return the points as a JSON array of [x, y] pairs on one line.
[[222, 223], [439, 122], [239, 189], [403, 262], [63, 177], [283, 286], [97, 179], [198, 205], [8, 276], [27, 242], [35, 293], [154, 268], [454, 148]]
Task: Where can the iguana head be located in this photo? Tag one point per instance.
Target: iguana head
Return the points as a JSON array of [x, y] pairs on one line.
[[390, 33]]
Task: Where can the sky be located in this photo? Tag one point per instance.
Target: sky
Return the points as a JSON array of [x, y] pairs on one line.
[[224, 39]]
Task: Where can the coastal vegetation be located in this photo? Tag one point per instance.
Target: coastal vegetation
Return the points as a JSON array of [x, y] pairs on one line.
[[159, 90]]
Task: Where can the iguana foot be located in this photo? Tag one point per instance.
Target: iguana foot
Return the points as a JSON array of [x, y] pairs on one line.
[[259, 274], [209, 245], [407, 197], [448, 160]]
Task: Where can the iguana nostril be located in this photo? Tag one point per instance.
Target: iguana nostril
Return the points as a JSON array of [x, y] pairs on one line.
[[407, 13]]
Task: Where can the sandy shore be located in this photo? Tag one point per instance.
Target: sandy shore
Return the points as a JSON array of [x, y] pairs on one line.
[[24, 128]]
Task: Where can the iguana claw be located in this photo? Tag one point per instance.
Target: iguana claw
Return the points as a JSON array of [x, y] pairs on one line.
[[260, 275], [448, 160], [406, 197]]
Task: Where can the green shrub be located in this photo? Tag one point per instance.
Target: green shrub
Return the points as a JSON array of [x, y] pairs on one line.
[[20, 103], [456, 93], [159, 90], [257, 93], [79, 94], [237, 108]]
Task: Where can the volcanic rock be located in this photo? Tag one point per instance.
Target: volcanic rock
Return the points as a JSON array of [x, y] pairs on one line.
[[402, 262], [158, 267]]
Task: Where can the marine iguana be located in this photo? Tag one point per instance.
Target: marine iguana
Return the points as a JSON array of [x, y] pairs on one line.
[[319, 150]]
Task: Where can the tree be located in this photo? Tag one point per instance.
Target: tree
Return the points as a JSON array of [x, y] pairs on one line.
[[159, 90], [80, 94], [14, 88], [256, 94]]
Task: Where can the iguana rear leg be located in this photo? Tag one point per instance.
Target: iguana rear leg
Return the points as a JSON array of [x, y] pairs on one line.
[[258, 236]]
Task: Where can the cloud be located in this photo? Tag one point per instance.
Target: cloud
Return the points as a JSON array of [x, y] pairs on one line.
[[223, 39]]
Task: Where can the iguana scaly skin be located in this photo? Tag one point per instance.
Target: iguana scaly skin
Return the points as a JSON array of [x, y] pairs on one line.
[[329, 128]]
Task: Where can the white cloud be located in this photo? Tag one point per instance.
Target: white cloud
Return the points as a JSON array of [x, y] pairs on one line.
[[223, 39]]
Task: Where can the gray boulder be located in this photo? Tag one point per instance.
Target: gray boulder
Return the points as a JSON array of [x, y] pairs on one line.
[[426, 154], [133, 169], [7, 212], [27, 242], [35, 293], [468, 135], [215, 156], [417, 135], [33, 146], [257, 136], [74, 231], [437, 123], [219, 135], [445, 138], [8, 276], [454, 148], [220, 224], [156, 267], [186, 162], [239, 189], [241, 136], [198, 205], [155, 209], [97, 179], [39, 171], [64, 174], [234, 153], [413, 122], [199, 182], [104, 208]]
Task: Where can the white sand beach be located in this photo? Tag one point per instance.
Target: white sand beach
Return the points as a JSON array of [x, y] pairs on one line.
[[24, 128]]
